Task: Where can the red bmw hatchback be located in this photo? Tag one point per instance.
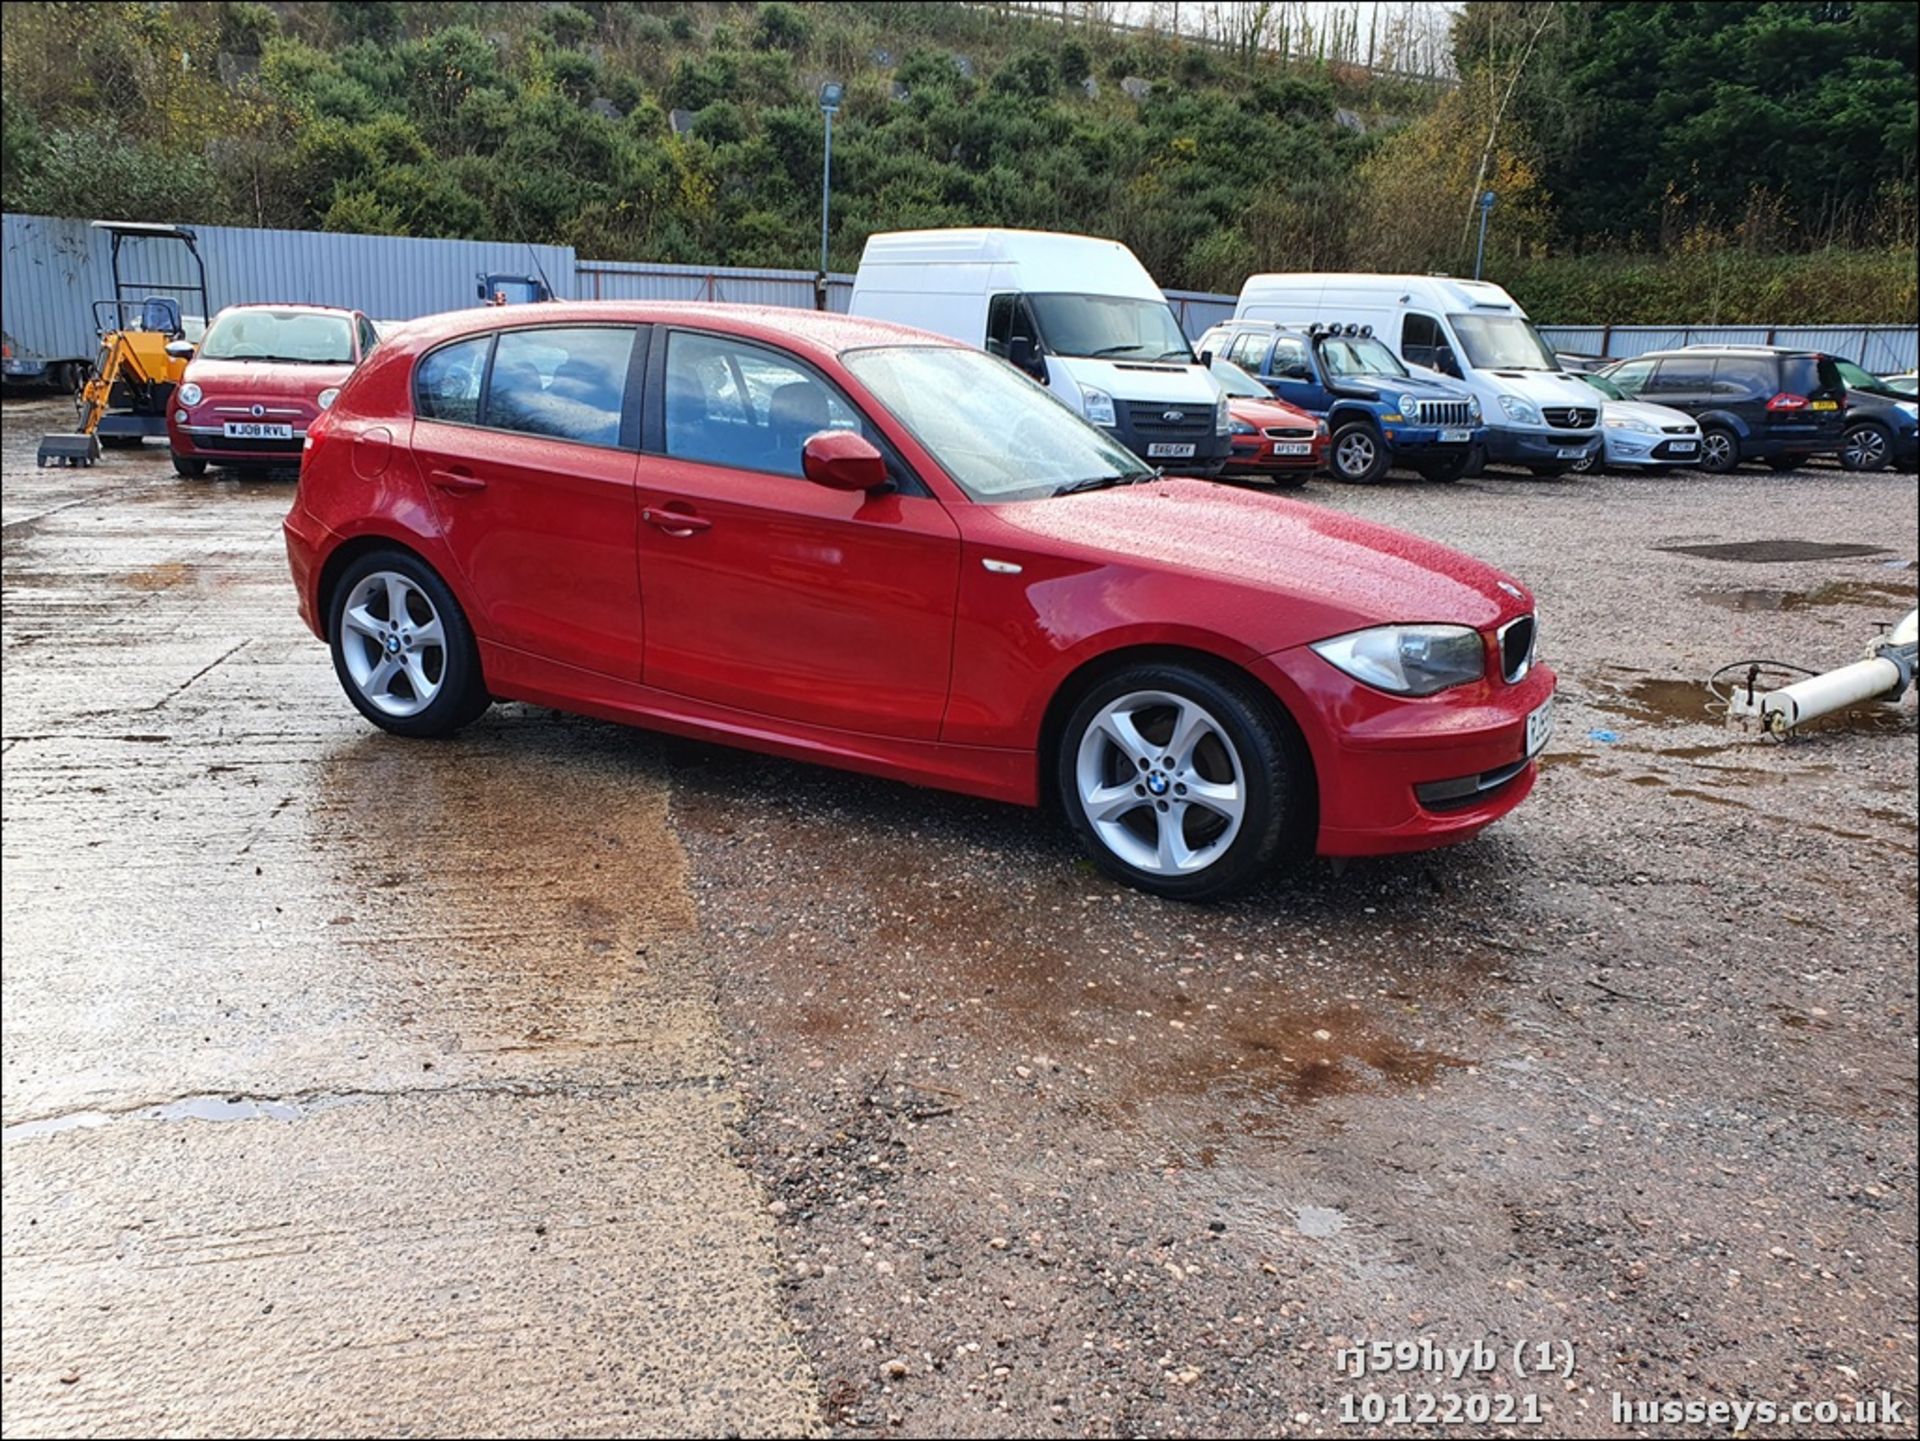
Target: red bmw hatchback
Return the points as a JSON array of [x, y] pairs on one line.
[[853, 543]]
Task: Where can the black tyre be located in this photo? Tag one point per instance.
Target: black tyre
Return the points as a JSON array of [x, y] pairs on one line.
[[1183, 782], [1594, 462], [1358, 454], [1719, 450], [1780, 464], [191, 467], [1446, 470], [402, 647], [1866, 447]]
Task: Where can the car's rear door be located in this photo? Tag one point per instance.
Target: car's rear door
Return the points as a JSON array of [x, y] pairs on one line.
[[767, 593], [528, 448], [1683, 381]]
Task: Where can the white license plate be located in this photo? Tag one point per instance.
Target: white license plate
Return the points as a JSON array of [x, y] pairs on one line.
[[1292, 447], [1455, 437], [256, 430], [1681, 447], [1573, 454], [1167, 450], [1539, 727]]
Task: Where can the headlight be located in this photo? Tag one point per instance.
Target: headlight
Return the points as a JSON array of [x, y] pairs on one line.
[[1222, 416], [1627, 422], [1320, 427], [189, 394], [1473, 407], [1521, 412], [1410, 406], [1240, 427], [1408, 659], [328, 396], [1098, 406]]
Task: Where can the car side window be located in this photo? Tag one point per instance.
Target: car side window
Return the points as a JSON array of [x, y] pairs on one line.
[[733, 403], [1420, 340], [1744, 377], [1682, 375], [446, 383], [1290, 360], [999, 324], [568, 384], [1248, 352], [369, 337]]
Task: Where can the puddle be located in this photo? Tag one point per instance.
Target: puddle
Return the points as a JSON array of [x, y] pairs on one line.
[[187, 1108], [1681, 702], [1839, 592], [1773, 552], [1320, 1222]]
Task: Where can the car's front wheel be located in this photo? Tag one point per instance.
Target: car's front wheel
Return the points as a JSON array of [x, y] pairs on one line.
[[1182, 782], [1866, 447], [1719, 450], [1358, 454], [402, 647], [1447, 469], [189, 467]]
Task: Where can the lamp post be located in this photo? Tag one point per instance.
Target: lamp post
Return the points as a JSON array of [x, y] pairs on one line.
[[1480, 251], [830, 93]]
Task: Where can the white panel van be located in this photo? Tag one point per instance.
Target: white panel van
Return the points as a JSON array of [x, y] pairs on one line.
[[1538, 416], [1079, 314]]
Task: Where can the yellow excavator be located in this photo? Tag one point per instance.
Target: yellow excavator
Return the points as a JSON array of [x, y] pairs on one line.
[[143, 352]]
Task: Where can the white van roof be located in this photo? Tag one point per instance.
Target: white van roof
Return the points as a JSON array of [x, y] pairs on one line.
[[1444, 292], [1047, 260]]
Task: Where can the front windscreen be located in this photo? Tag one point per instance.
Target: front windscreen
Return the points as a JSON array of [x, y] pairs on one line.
[[1236, 381], [1349, 356], [1000, 436], [1605, 387], [299, 337], [1110, 327], [1503, 342]]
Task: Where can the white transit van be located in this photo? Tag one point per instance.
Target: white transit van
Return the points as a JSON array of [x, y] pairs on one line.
[[1079, 314], [1537, 415]]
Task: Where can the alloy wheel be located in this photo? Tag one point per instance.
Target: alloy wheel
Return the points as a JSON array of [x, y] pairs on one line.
[[1866, 449], [1355, 454], [1161, 783], [394, 644], [1716, 450]]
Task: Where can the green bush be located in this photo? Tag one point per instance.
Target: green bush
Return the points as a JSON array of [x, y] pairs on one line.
[[780, 27]]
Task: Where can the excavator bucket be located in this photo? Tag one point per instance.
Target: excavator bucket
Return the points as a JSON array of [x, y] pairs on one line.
[[69, 449]]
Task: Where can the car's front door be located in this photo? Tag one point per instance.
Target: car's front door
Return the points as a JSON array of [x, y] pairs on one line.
[[529, 455], [765, 592], [1293, 378]]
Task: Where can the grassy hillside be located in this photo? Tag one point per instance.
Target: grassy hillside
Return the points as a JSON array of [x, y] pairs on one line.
[[556, 123]]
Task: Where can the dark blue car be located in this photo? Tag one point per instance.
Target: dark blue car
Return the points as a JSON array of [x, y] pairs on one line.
[[1379, 415]]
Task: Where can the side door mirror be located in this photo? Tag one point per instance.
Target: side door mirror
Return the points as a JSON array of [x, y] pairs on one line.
[[1444, 362], [1022, 355], [842, 460], [181, 349]]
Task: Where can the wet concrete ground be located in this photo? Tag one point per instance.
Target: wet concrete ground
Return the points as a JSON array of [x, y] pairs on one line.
[[539, 1051]]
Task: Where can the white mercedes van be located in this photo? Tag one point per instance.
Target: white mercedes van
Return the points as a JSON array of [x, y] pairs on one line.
[[1079, 314], [1538, 416]]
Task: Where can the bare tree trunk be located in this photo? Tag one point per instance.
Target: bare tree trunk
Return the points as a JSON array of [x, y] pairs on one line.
[[1547, 10]]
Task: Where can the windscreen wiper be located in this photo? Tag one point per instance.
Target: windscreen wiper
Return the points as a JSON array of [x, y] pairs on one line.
[[1101, 482], [1107, 350]]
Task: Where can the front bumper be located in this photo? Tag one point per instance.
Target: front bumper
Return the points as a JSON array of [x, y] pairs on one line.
[[211, 444], [18, 367], [1632, 447], [1254, 454], [1426, 439], [1376, 754], [1507, 446]]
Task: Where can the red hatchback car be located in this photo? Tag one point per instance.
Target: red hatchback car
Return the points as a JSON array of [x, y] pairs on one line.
[[854, 543], [257, 379], [1270, 439]]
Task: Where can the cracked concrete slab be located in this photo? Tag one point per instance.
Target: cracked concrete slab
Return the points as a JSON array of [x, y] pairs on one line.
[[450, 985]]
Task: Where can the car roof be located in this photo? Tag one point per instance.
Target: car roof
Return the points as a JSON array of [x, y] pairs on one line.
[[822, 332]]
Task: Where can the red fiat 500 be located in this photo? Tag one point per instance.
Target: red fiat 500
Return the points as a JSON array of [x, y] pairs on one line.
[[849, 542], [1270, 439], [257, 380]]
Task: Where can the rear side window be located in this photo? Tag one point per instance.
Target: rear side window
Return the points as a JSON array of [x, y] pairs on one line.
[[369, 337], [568, 384], [732, 403], [1632, 377], [1744, 377], [1810, 375], [446, 384], [1249, 352], [1682, 375]]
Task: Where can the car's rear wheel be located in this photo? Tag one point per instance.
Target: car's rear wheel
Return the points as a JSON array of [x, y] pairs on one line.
[[189, 466], [402, 647], [1182, 782], [1719, 450], [1866, 447], [1358, 454]]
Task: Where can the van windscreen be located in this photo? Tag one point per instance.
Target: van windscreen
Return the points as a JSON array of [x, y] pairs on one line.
[[1110, 327], [1503, 342]]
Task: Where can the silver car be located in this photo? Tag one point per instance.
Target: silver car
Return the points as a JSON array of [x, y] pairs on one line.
[[1638, 435]]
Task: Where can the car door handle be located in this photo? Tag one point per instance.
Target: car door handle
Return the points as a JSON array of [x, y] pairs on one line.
[[675, 522], [456, 480]]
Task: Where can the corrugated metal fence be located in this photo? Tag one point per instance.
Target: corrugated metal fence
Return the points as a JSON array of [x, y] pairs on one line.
[[1882, 349], [54, 269]]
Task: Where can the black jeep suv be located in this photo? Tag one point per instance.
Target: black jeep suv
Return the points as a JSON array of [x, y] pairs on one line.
[[1754, 402]]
